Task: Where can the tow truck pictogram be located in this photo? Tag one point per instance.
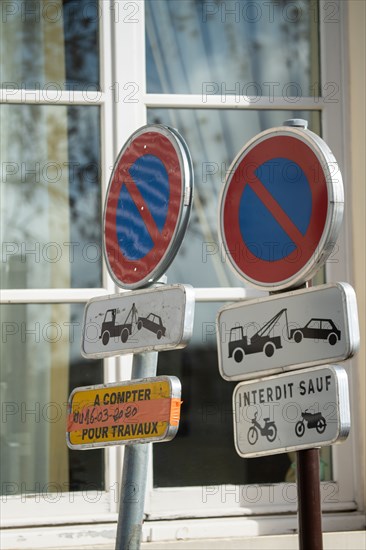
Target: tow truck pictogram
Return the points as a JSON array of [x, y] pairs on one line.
[[111, 329], [261, 341]]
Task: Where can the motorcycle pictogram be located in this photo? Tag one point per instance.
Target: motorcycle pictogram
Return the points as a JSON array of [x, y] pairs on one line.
[[314, 420], [269, 430]]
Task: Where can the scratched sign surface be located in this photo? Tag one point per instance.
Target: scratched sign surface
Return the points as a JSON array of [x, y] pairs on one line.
[[140, 411], [159, 318]]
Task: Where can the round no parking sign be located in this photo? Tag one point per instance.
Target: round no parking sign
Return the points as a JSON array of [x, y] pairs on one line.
[[148, 205], [281, 208]]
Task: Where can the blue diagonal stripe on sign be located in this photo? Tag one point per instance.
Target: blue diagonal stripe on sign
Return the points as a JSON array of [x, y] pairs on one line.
[[151, 178], [133, 237]]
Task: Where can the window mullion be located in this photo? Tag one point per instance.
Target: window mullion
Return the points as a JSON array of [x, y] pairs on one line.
[[217, 101], [50, 295], [129, 75]]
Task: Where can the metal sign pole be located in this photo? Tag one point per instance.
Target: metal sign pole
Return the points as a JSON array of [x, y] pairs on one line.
[[308, 491], [135, 464]]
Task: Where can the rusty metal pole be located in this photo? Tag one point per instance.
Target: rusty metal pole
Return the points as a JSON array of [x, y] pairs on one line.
[[309, 504], [308, 471]]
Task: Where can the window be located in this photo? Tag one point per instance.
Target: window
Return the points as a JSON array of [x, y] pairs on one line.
[[220, 72], [53, 175]]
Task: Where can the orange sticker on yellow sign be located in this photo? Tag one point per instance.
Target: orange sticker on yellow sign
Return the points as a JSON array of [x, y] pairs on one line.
[[137, 411]]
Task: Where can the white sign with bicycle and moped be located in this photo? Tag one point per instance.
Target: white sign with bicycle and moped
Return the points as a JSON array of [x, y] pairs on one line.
[[288, 412]]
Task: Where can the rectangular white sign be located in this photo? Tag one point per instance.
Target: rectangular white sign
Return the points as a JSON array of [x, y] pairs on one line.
[[289, 412], [292, 330], [154, 319]]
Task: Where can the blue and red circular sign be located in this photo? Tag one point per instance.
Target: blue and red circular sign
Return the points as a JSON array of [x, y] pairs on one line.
[[147, 206], [281, 208]]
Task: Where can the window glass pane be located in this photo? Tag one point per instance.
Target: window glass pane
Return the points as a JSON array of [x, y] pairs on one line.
[[51, 202], [50, 44], [40, 365], [242, 48]]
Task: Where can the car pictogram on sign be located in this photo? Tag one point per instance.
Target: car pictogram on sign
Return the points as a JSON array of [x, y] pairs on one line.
[[153, 323], [317, 329]]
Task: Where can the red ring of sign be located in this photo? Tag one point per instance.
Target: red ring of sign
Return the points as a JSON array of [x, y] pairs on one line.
[[126, 271], [272, 272]]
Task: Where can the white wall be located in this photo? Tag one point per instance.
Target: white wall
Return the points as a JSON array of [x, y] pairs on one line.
[[357, 118]]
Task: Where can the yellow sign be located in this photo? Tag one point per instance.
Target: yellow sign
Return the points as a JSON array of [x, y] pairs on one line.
[[138, 411]]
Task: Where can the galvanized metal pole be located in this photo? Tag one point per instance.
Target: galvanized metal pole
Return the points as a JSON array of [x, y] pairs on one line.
[[308, 492], [135, 465]]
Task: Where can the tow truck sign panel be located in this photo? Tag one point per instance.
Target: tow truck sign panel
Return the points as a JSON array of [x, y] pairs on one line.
[[142, 411], [155, 319], [292, 330], [289, 412]]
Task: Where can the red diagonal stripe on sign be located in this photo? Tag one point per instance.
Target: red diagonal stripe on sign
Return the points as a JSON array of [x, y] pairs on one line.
[[144, 210], [277, 212]]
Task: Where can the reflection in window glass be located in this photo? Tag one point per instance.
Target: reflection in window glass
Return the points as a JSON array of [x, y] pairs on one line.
[[49, 45], [40, 365], [80, 26], [242, 48], [214, 138], [51, 204]]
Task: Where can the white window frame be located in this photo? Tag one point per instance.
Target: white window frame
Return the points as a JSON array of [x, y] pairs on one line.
[[124, 102]]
